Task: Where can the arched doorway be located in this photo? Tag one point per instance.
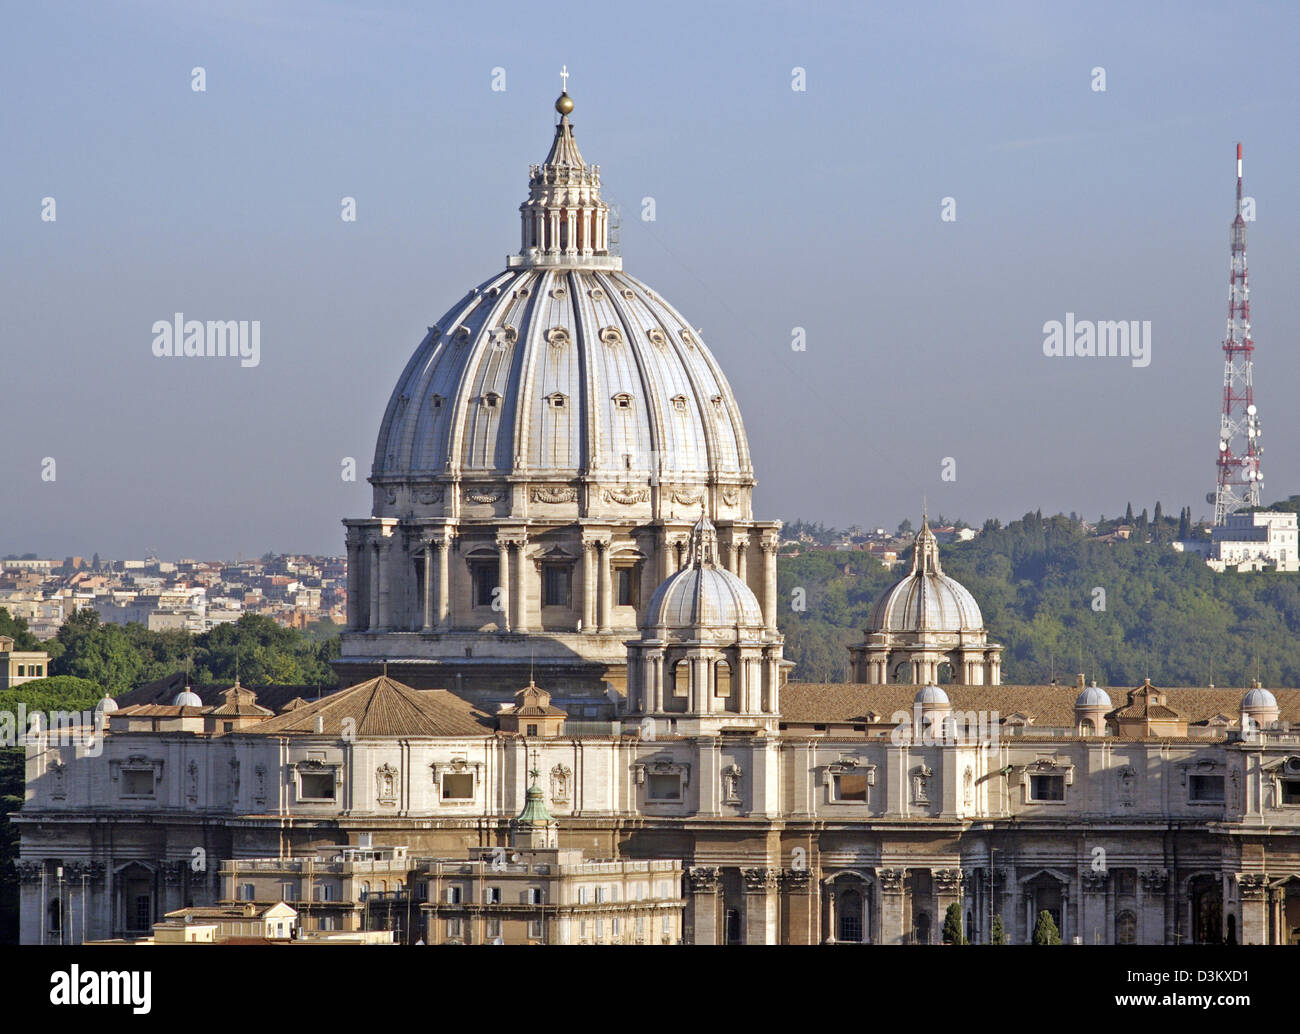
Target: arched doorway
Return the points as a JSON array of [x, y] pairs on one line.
[[1125, 928], [921, 928], [1045, 893]]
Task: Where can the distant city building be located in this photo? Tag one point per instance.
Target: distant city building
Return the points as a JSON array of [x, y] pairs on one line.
[[19, 666], [1256, 541]]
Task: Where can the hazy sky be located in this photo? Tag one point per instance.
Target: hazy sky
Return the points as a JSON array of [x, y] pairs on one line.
[[775, 209]]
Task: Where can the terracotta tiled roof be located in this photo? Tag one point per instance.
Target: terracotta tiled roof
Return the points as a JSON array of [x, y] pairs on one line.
[[164, 690], [383, 707], [1049, 706], [160, 711]]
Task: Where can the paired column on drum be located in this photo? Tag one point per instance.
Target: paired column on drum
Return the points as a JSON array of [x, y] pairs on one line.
[[597, 581], [512, 579], [435, 560]]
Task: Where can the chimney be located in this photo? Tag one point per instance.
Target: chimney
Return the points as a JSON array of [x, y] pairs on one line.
[[320, 723], [1078, 681]]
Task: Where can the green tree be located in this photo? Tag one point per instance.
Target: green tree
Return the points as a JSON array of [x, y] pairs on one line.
[[1045, 931], [998, 935], [952, 932], [99, 652], [16, 628]]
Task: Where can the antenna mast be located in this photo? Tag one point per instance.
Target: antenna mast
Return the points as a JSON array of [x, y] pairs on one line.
[[1239, 477]]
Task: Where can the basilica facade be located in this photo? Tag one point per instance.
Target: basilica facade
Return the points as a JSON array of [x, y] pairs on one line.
[[563, 621]]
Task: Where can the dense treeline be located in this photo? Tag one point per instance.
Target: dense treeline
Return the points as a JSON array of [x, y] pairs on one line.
[[1159, 612], [120, 657]]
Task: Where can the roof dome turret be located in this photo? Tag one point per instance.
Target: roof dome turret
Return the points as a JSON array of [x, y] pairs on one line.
[[187, 698], [926, 599], [703, 594], [1258, 698], [1093, 696]]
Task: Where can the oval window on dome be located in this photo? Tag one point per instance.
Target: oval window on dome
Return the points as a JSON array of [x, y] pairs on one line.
[[612, 336]]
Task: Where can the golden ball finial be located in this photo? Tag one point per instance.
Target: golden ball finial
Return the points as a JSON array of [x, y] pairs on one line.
[[564, 104]]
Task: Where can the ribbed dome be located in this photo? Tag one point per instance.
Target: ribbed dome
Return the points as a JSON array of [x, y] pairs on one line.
[[702, 593], [926, 600], [106, 705], [1093, 696], [187, 698], [561, 367], [931, 696], [1258, 698], [563, 372]]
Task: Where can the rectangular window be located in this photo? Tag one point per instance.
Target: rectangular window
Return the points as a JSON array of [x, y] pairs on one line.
[[143, 912], [616, 928], [22, 669], [494, 927], [1047, 788], [666, 926], [555, 585], [1291, 791], [534, 895], [137, 784], [600, 928], [250, 892], [486, 575], [317, 786], [453, 895], [492, 896], [664, 787], [287, 892], [535, 929], [640, 926], [453, 927], [530, 730], [851, 786], [600, 895], [582, 895], [582, 929], [1205, 788], [458, 787], [626, 584], [38, 669]]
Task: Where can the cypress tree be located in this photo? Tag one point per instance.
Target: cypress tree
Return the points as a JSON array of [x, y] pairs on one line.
[[998, 935], [952, 933], [1045, 931]]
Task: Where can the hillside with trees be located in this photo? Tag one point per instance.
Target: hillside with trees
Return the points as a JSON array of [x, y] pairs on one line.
[[1166, 614]]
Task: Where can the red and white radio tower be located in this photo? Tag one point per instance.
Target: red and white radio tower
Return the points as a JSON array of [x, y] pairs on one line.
[[1239, 451]]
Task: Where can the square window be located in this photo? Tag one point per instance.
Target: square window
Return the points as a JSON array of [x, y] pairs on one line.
[[530, 730], [1291, 791], [1205, 788], [137, 784], [556, 581], [458, 787], [1047, 788], [664, 787], [851, 786], [316, 786]]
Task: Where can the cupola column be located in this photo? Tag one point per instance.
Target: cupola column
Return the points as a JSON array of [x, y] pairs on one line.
[[430, 585], [603, 548], [375, 560]]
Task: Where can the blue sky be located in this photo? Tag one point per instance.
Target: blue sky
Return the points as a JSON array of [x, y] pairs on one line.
[[775, 209]]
